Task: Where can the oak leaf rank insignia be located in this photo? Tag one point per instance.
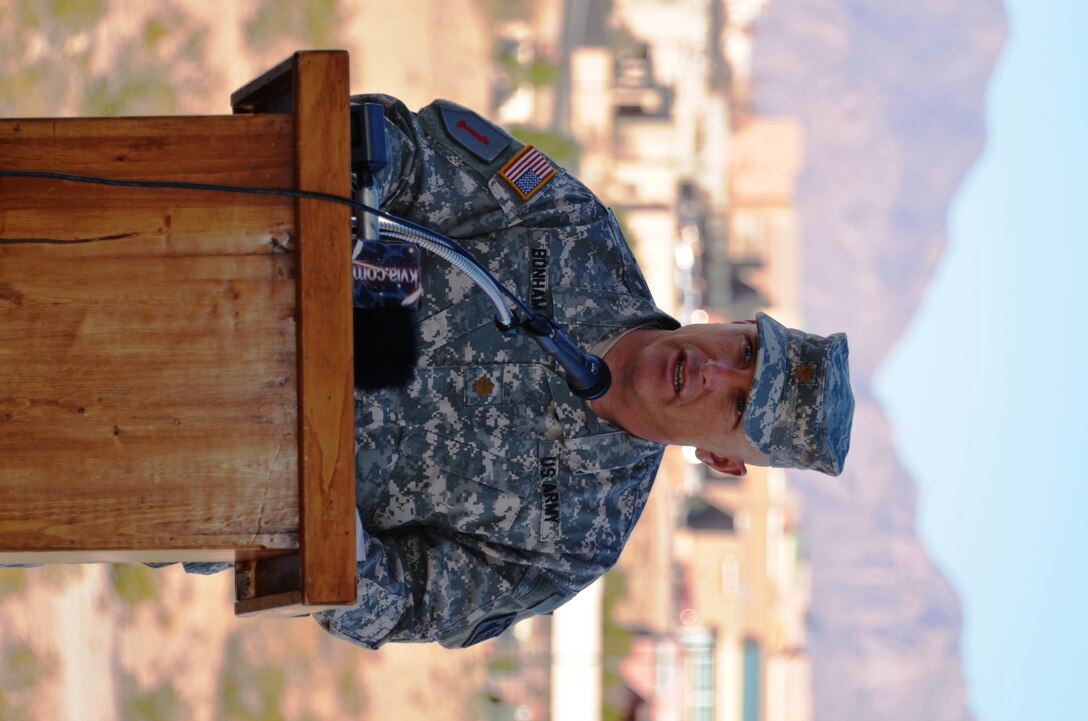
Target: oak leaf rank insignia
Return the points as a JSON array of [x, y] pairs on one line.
[[805, 373], [483, 386]]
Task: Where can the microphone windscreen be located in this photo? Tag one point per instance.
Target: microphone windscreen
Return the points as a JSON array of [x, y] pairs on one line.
[[386, 346], [385, 289], [385, 273]]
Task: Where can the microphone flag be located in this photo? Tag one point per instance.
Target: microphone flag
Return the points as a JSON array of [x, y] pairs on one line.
[[386, 289]]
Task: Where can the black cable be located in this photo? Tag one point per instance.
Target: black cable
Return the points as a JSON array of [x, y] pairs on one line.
[[587, 375], [185, 185], [258, 190]]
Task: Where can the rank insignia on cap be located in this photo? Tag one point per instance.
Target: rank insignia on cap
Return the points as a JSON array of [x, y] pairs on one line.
[[805, 373], [528, 171]]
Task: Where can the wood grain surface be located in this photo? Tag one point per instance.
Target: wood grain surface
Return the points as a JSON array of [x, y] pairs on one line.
[[148, 347], [326, 384]]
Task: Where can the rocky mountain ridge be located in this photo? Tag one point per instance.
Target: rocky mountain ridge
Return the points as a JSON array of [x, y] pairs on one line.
[[892, 98]]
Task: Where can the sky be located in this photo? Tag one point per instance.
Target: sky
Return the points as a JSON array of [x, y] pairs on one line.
[[988, 389]]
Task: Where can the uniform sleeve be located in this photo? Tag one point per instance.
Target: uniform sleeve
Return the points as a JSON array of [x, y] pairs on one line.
[[436, 178], [428, 587]]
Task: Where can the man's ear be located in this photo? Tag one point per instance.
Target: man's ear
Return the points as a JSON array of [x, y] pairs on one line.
[[722, 464]]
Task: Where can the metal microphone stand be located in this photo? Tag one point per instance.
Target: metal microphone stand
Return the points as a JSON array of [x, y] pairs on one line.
[[587, 375]]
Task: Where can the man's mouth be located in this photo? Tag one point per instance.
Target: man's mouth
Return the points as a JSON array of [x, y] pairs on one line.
[[678, 373]]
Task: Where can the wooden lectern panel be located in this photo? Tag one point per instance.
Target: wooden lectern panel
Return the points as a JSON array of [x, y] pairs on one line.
[[175, 365], [147, 339], [314, 86]]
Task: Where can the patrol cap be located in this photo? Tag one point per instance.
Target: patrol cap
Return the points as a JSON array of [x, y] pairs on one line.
[[800, 408]]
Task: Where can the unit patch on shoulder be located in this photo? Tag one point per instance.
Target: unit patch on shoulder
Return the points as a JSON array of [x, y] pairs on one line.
[[480, 137], [528, 171]]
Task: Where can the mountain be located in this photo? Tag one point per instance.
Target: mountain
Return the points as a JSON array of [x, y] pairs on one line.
[[892, 98]]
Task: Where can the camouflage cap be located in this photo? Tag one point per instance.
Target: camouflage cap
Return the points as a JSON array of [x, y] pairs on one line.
[[801, 407]]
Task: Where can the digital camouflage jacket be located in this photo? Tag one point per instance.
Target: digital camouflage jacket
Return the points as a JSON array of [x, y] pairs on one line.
[[488, 492]]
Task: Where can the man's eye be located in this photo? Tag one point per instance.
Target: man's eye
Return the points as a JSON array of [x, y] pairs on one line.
[[749, 351], [742, 403]]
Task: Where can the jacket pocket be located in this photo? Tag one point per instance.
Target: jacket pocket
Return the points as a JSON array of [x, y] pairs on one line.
[[448, 484]]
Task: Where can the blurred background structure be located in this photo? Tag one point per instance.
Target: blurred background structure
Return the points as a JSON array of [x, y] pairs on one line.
[[798, 156]]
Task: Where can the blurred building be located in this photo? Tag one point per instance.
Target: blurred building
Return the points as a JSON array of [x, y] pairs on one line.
[[709, 598], [760, 271], [518, 678], [743, 589]]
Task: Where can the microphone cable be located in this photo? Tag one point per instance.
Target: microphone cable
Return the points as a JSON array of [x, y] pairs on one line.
[[587, 375], [433, 236]]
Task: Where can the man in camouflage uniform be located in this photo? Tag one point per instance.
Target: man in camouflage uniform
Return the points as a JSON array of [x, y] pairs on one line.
[[489, 492]]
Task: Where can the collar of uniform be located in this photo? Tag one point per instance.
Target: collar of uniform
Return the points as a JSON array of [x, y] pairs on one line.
[[592, 316], [573, 412], [601, 446]]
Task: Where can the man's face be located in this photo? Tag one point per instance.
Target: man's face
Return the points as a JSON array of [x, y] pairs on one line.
[[688, 386]]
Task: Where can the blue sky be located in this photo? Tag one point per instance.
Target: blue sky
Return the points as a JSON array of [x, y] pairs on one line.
[[989, 388]]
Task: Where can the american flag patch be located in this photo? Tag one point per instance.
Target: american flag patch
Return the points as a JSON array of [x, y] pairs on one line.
[[527, 171]]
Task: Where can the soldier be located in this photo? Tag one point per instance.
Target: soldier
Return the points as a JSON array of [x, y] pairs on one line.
[[488, 492]]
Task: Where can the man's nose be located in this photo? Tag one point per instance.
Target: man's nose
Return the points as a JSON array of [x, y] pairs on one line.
[[717, 372]]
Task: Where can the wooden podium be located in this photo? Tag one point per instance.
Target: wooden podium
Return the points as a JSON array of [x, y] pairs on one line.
[[175, 365]]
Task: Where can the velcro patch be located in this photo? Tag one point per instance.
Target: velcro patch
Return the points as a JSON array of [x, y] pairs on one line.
[[490, 628], [478, 136], [528, 171]]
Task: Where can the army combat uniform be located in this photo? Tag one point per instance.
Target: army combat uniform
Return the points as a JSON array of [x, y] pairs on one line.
[[488, 492]]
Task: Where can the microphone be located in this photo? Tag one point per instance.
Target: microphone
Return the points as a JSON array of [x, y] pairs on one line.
[[385, 293], [384, 273], [386, 286], [587, 375]]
